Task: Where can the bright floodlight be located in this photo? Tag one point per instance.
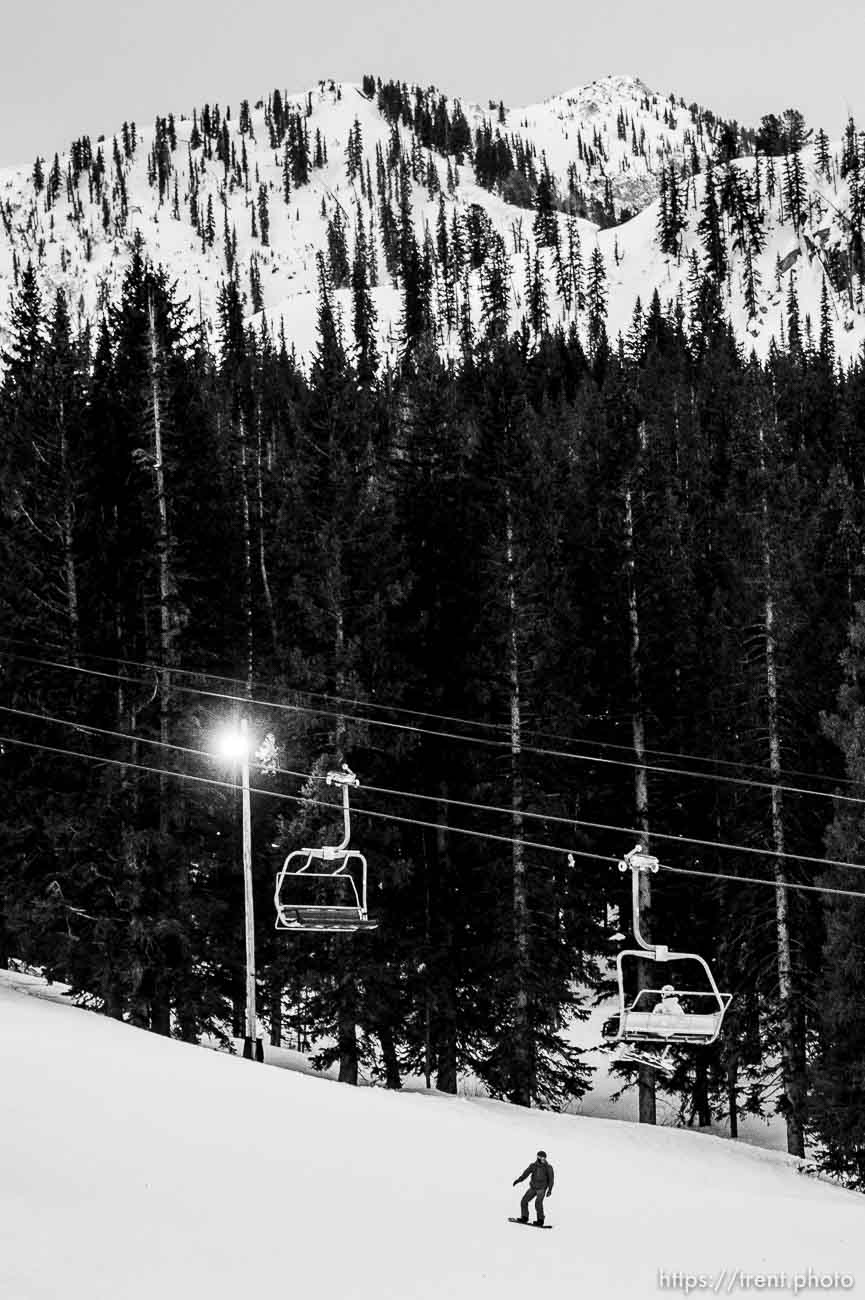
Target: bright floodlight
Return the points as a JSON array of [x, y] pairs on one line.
[[232, 744]]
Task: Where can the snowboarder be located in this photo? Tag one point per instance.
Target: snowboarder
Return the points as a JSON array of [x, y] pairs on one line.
[[540, 1185]]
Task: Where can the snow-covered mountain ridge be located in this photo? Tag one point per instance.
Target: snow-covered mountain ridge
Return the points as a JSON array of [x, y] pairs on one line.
[[258, 194]]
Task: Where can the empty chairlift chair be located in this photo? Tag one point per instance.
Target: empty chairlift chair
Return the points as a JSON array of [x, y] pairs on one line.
[[324, 889]]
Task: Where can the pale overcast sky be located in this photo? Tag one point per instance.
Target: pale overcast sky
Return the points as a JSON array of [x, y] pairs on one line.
[[72, 67]]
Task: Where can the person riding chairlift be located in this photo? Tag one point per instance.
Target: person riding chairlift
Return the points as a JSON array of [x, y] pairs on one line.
[[669, 1004]]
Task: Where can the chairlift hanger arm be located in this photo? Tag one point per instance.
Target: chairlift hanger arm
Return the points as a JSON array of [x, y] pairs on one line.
[[345, 778], [635, 861]]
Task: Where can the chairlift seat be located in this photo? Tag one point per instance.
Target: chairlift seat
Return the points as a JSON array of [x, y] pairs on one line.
[[321, 919], [640, 1022], [674, 1027]]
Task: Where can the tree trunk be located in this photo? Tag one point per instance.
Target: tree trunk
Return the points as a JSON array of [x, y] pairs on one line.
[[247, 561], [702, 1109], [794, 1093], [112, 996], [5, 953], [139, 1002], [160, 1007], [732, 1104], [388, 1052], [262, 557], [187, 1019], [446, 995], [238, 1004], [427, 990], [68, 542], [520, 1091], [180, 978], [163, 549], [446, 1060], [275, 998], [346, 1030], [646, 1075]]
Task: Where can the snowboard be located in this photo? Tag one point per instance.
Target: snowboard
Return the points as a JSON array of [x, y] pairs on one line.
[[529, 1224]]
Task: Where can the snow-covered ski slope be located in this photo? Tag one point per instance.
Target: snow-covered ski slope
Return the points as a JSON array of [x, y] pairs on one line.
[[137, 1167], [611, 138]]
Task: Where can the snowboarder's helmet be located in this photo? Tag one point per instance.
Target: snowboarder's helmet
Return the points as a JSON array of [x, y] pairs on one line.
[[667, 991], [542, 1155]]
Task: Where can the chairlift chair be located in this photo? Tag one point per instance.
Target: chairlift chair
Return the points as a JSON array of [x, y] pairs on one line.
[[699, 1021], [324, 889]]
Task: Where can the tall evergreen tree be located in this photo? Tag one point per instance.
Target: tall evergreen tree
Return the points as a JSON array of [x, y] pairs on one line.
[[710, 231], [596, 303], [835, 1095]]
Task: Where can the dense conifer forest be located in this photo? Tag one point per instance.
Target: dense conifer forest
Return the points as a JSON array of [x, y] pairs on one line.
[[544, 596]]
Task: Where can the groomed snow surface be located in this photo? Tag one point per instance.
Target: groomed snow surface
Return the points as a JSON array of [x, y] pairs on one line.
[[135, 1166]]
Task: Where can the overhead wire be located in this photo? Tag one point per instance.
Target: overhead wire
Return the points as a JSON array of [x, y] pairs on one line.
[[761, 880], [592, 759], [414, 821], [306, 799], [354, 702], [574, 823]]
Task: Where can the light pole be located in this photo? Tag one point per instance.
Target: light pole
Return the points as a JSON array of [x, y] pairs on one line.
[[234, 745]]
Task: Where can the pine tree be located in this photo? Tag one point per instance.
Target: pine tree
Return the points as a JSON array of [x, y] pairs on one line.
[[209, 223], [519, 509], [793, 191], [495, 291], [849, 152], [545, 226], [228, 245], [354, 152], [466, 325], [709, 230], [417, 313], [536, 292], [286, 175], [794, 333], [751, 277], [255, 284], [329, 359], [824, 161], [575, 263], [263, 215], [339, 269], [835, 1093], [27, 329], [827, 341], [596, 303], [364, 317], [665, 242]]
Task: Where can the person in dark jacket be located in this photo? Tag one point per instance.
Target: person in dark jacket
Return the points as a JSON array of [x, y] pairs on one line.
[[541, 1179]]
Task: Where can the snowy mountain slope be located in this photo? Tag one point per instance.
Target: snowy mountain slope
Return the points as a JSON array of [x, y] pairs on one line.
[[654, 131], [604, 147], [135, 1165], [801, 261]]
